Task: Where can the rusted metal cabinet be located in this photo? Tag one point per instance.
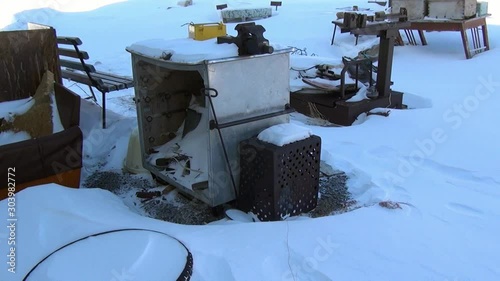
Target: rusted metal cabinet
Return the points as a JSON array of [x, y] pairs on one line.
[[452, 9]]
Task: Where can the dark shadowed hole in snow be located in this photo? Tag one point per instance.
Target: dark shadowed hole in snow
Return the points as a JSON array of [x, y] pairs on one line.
[[174, 207]]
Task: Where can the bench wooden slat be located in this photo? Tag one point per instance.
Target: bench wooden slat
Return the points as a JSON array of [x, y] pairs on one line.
[[77, 65], [79, 77], [108, 76], [69, 40], [73, 54], [107, 85], [112, 83], [111, 88], [114, 87]]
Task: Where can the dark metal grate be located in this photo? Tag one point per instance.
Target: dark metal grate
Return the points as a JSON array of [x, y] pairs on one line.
[[279, 181]]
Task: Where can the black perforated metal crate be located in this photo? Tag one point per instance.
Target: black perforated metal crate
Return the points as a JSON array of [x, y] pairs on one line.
[[279, 181]]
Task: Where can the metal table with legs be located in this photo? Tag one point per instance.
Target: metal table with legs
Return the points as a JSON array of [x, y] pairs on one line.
[[477, 26], [340, 25]]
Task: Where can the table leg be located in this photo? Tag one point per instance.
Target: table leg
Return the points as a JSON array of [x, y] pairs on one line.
[[413, 39], [486, 40], [465, 41], [333, 36], [474, 38], [422, 37], [399, 40], [408, 37]]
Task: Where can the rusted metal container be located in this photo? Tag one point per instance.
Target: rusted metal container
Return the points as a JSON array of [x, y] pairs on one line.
[[452, 9], [416, 8], [279, 181]]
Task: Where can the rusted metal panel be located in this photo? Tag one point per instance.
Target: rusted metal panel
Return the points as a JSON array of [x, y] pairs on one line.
[[279, 181], [24, 57]]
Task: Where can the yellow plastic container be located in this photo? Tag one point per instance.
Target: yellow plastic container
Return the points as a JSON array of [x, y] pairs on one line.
[[204, 31]]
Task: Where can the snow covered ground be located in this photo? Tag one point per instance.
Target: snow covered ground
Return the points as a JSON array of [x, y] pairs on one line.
[[439, 159]]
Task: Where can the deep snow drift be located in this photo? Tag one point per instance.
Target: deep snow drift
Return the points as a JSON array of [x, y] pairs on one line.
[[439, 159]]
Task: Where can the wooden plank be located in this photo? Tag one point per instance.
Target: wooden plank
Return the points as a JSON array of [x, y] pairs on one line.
[[106, 85], [73, 54], [79, 77], [69, 40], [113, 85], [109, 76], [436, 26], [116, 76], [474, 22], [110, 88], [77, 65], [25, 56]]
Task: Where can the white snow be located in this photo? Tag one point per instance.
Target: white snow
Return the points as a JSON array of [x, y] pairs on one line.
[[439, 158], [360, 95], [56, 119], [18, 107], [187, 50], [184, 50], [237, 215], [284, 134], [152, 256], [9, 137], [7, 112]]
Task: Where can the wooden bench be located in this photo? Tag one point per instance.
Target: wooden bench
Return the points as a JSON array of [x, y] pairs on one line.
[[74, 68]]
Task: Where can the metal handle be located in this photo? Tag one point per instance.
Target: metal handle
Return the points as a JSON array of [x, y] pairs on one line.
[[214, 125]]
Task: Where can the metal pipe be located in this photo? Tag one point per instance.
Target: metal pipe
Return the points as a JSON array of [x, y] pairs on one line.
[[215, 125], [206, 92]]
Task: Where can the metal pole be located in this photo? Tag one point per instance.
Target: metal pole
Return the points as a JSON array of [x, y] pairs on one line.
[[386, 53]]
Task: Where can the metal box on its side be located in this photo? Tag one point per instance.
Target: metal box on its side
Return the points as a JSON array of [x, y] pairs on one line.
[[416, 8], [452, 9], [482, 8], [174, 116]]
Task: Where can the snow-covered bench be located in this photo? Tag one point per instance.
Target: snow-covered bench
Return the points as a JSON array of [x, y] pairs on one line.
[[74, 67]]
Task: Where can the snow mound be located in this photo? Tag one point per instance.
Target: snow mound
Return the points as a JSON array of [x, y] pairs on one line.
[[184, 50], [283, 134]]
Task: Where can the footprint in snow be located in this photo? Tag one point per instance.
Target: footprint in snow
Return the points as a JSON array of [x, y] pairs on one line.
[[383, 152], [459, 173], [463, 209]]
